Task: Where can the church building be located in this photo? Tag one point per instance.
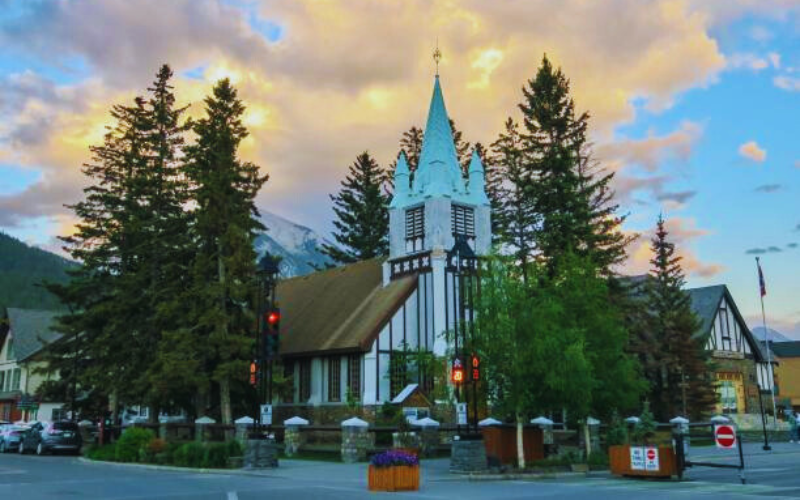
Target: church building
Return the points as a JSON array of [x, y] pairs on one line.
[[341, 327]]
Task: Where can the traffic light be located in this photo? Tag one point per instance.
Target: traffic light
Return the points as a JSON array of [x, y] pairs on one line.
[[457, 372], [253, 374], [476, 368], [271, 333]]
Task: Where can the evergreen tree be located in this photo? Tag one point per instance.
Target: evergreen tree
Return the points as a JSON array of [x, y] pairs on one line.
[[224, 228], [568, 193], [362, 212], [510, 183], [676, 356]]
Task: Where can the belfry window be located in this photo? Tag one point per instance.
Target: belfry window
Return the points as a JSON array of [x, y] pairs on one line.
[[415, 229], [462, 221]]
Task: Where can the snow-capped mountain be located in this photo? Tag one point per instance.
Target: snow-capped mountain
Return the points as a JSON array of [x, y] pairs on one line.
[[298, 245], [774, 335]]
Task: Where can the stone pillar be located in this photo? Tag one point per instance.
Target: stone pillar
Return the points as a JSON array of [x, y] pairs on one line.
[[293, 437], [200, 428], [468, 455], [680, 426], [243, 427], [260, 454], [355, 440], [429, 436]]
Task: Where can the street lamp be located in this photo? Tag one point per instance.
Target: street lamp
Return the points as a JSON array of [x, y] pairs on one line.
[[267, 274]]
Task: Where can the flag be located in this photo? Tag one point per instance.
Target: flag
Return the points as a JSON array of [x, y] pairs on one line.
[[762, 285]]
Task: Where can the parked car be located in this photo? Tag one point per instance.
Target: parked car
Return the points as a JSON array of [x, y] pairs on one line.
[[10, 436], [56, 436]]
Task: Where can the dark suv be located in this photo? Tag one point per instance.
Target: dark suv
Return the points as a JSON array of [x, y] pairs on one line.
[[56, 436]]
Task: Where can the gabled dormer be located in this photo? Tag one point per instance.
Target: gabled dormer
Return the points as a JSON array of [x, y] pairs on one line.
[[428, 213]]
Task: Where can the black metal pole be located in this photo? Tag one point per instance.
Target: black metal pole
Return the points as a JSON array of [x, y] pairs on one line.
[[741, 457], [766, 446]]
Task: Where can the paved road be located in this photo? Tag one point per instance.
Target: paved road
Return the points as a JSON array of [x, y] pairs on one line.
[[31, 478]]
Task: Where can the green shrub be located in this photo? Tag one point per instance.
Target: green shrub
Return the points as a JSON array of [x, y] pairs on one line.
[[216, 456], [617, 431], [105, 452], [131, 442], [189, 455], [235, 448]]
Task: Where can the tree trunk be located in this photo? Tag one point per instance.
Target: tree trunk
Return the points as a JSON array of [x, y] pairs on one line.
[[224, 383], [587, 437], [520, 447]]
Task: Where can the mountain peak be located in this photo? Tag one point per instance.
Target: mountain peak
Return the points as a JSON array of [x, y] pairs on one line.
[[298, 245]]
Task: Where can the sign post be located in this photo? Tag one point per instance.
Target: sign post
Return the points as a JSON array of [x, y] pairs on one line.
[[461, 413]]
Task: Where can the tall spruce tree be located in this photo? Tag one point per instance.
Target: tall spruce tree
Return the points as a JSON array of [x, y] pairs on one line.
[[679, 370], [362, 213], [514, 218], [224, 227], [569, 194]]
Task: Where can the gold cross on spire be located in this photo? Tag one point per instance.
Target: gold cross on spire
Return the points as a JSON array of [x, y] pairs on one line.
[[437, 56]]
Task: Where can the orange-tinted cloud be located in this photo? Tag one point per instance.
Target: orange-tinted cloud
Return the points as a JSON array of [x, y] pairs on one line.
[[752, 151]]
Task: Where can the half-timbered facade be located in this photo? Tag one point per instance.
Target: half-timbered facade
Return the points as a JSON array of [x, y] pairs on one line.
[[740, 364], [342, 327]]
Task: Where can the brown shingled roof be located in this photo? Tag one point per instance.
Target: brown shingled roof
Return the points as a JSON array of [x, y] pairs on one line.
[[339, 309]]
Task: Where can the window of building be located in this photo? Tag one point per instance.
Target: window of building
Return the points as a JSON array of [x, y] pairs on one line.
[[725, 328], [415, 229], [58, 414], [398, 372], [462, 221], [305, 380], [334, 379], [2, 381], [15, 383], [10, 349], [354, 376]]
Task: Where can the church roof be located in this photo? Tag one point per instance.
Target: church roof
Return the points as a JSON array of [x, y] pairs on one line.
[[338, 310], [31, 330], [438, 172]]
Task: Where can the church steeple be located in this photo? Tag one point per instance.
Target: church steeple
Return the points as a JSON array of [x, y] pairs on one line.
[[438, 173], [477, 181], [401, 182]]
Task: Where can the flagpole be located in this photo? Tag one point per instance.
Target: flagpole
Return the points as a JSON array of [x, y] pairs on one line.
[[770, 371]]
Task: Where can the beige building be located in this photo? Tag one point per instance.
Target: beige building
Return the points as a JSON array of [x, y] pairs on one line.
[[23, 334], [788, 372]]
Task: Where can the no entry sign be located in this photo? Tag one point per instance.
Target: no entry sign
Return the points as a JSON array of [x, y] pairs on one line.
[[725, 436]]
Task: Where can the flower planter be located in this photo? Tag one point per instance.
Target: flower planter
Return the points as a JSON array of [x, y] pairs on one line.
[[619, 459], [394, 478], [410, 451]]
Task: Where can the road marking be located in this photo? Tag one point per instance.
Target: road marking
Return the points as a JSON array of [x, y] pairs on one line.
[[232, 495]]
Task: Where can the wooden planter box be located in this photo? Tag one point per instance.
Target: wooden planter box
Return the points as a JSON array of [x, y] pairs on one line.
[[501, 443], [619, 459], [395, 478]]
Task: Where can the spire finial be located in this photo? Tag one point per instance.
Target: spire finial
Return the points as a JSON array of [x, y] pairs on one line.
[[437, 56]]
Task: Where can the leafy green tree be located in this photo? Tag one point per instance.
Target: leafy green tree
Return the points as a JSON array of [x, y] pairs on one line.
[[224, 227], [679, 363], [362, 213]]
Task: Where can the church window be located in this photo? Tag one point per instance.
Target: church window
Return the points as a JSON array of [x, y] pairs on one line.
[[354, 376], [415, 229], [305, 380], [462, 221], [398, 372], [334, 379]]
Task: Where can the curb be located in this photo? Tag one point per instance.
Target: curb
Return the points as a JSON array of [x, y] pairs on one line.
[[527, 476], [172, 468]]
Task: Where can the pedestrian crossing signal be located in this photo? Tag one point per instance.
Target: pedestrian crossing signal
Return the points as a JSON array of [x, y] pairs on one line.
[[457, 372]]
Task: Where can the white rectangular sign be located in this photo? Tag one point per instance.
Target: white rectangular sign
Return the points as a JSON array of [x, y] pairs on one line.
[[637, 458], [266, 414], [651, 458], [461, 412]]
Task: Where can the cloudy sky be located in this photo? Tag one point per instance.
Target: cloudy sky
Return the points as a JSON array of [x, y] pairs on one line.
[[695, 104]]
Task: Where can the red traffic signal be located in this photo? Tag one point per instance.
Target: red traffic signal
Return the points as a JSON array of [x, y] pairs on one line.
[[273, 317], [476, 367], [457, 372], [253, 374]]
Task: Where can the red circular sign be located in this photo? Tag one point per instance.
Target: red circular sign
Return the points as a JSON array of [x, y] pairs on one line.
[[651, 454], [725, 436]]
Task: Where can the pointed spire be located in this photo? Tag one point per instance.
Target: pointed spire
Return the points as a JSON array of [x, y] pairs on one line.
[[401, 181], [438, 172], [477, 180]]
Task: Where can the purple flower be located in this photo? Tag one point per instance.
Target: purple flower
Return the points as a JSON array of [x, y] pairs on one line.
[[394, 457]]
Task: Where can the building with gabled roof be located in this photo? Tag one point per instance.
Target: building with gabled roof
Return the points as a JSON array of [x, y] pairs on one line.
[[743, 371], [23, 336], [788, 372], [341, 328]]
